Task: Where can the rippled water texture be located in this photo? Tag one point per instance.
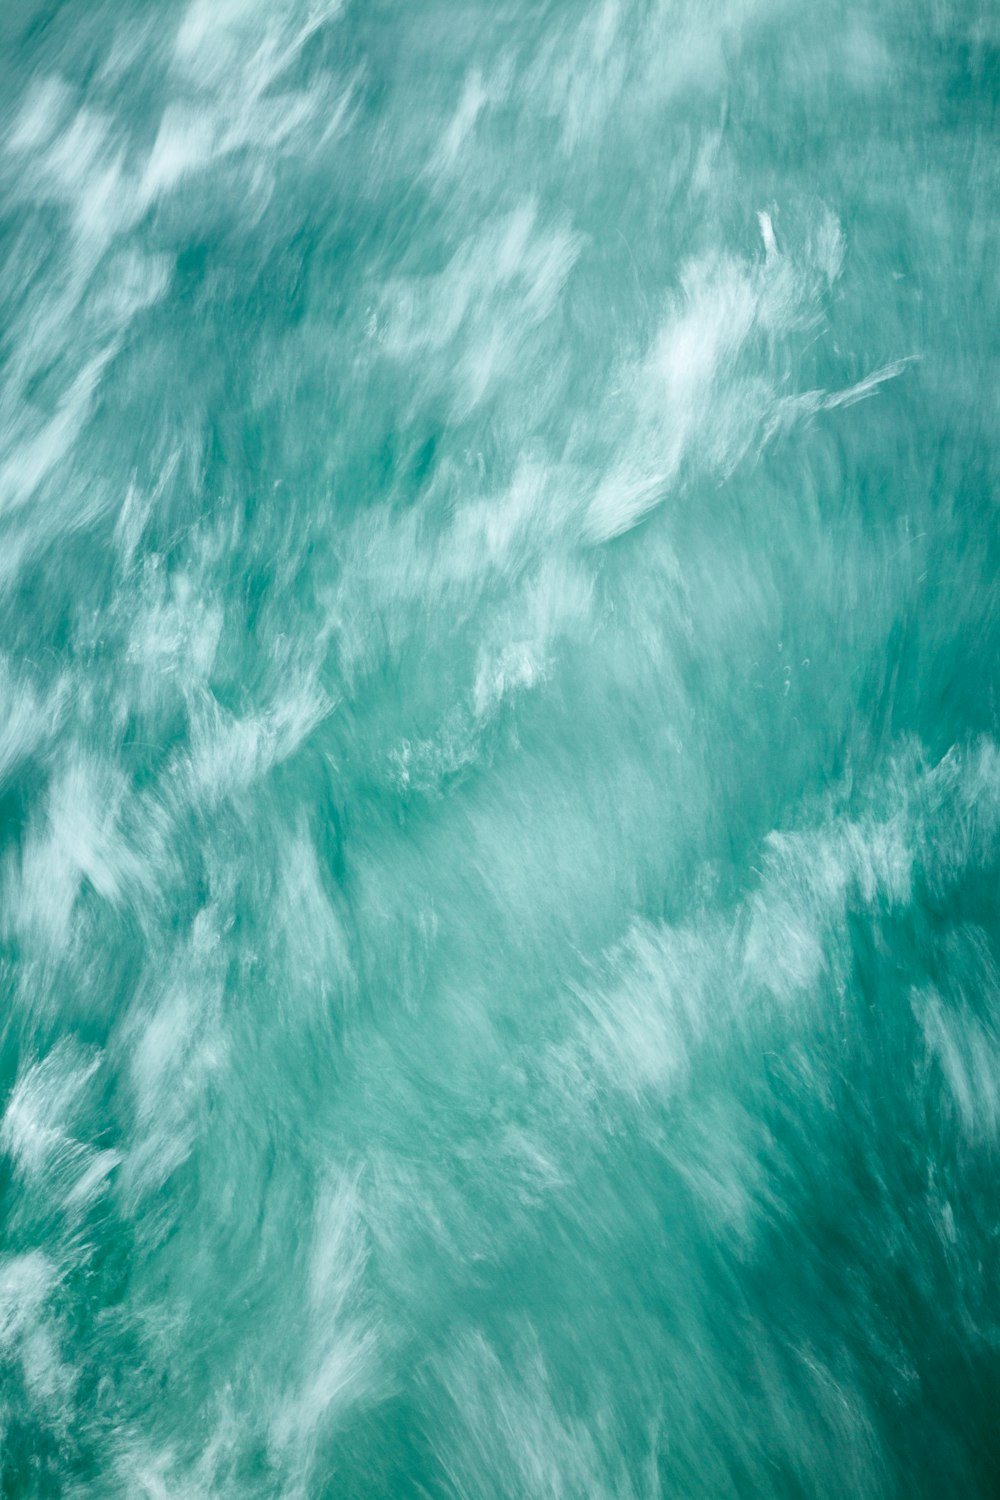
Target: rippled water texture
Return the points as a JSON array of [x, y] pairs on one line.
[[499, 750]]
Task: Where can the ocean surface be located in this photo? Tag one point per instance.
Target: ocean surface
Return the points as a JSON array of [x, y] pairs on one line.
[[499, 750]]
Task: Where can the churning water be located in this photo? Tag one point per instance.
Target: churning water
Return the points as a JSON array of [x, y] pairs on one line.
[[499, 750]]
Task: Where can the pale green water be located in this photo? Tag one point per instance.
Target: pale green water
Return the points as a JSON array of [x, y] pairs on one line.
[[499, 750]]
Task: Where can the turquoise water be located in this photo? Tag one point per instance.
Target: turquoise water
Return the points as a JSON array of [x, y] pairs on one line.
[[499, 750]]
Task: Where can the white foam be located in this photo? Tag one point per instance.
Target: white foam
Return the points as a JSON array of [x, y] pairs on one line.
[[42, 108], [228, 754], [77, 840], [175, 632], [695, 400], [862, 389], [469, 324], [307, 921], [515, 1438], [474, 98], [337, 1360], [26, 1282], [39, 1113], [27, 718], [967, 1051], [175, 1043]]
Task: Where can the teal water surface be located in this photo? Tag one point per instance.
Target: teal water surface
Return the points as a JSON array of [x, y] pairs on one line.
[[499, 750]]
